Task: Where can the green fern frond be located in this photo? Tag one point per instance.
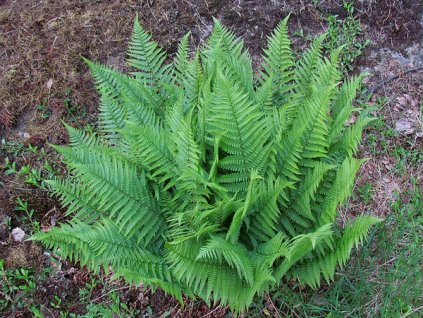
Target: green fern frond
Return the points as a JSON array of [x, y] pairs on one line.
[[149, 145], [279, 60], [146, 56], [65, 241], [343, 107], [236, 255], [299, 213], [349, 141], [243, 134], [111, 119], [300, 247], [181, 61], [192, 84], [75, 199], [339, 191], [264, 218], [140, 103], [308, 64], [79, 137], [309, 271], [211, 280], [273, 249], [117, 189], [224, 50]]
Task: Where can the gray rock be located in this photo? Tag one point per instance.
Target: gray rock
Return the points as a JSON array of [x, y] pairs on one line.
[[404, 126], [18, 234]]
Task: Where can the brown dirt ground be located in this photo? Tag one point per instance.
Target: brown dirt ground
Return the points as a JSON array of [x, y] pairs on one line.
[[41, 44]]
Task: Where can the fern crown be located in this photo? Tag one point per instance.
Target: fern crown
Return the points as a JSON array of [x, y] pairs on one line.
[[208, 180]]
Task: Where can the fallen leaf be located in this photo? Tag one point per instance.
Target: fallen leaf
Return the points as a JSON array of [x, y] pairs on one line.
[[266, 312], [352, 119]]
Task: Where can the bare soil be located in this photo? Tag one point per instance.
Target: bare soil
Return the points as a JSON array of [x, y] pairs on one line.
[[41, 44]]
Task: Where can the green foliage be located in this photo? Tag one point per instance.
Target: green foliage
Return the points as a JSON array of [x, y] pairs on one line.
[[15, 285], [209, 181], [31, 174], [348, 33], [344, 32], [21, 295], [109, 308], [28, 218], [383, 279]]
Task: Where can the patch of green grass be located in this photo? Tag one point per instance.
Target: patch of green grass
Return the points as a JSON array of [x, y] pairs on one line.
[[28, 217], [113, 307], [34, 173], [17, 297], [45, 111], [365, 192], [11, 147], [380, 134], [407, 157], [76, 113], [386, 277], [31, 175], [15, 285], [347, 33]]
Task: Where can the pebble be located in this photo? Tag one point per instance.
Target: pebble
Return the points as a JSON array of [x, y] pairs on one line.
[[24, 135], [18, 234], [404, 125]]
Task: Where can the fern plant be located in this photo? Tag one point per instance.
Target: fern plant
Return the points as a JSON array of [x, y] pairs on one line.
[[208, 180]]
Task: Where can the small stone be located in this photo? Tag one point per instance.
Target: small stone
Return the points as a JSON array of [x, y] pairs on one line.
[[49, 83], [18, 234], [24, 135], [404, 126], [53, 221]]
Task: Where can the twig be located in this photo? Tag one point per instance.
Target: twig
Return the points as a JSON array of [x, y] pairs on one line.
[[154, 16], [393, 78], [273, 305], [413, 311], [51, 313], [209, 313], [111, 291]]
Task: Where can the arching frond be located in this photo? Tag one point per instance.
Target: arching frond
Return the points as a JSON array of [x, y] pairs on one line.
[[145, 55], [236, 255], [140, 103], [181, 61], [279, 61], [310, 271], [243, 134], [79, 137], [111, 119]]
